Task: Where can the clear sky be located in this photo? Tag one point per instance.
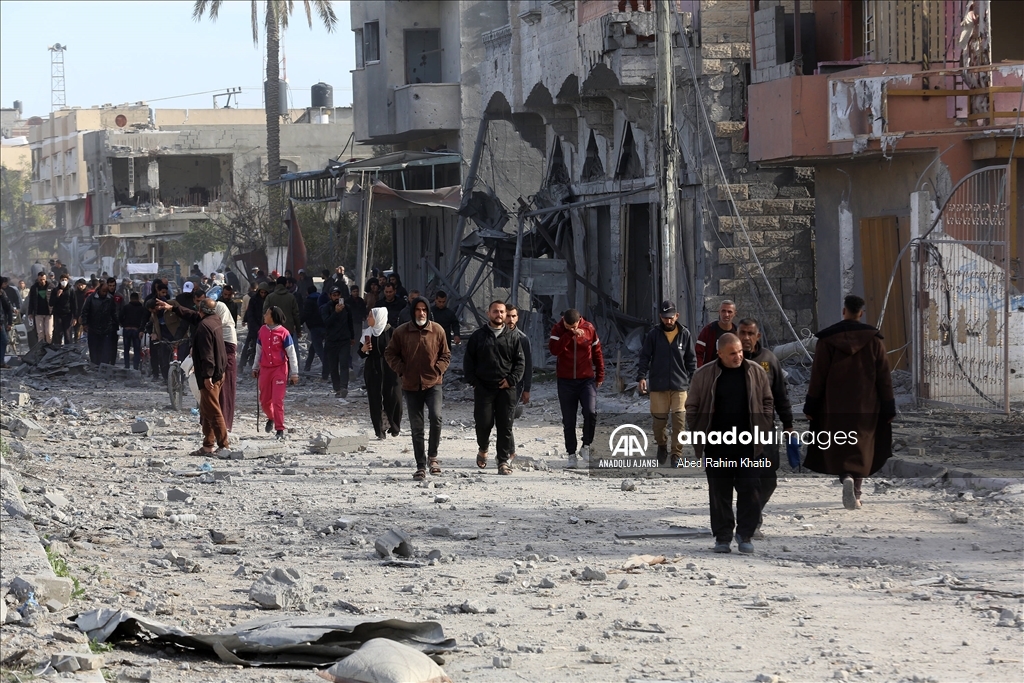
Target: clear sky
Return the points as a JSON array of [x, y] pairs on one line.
[[121, 52]]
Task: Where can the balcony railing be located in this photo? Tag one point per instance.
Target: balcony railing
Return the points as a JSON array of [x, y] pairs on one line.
[[920, 103]]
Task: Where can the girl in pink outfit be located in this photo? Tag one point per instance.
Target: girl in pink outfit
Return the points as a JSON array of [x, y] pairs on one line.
[[275, 355]]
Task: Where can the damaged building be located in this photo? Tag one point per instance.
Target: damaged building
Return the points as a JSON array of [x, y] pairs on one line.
[[908, 116], [126, 180], [558, 125]]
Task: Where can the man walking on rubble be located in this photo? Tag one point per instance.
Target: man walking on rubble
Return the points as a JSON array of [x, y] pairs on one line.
[[707, 341], [419, 355], [494, 365], [39, 308], [253, 319], [850, 392], [524, 385], [99, 322], [730, 396], [667, 357], [580, 372], [749, 332]]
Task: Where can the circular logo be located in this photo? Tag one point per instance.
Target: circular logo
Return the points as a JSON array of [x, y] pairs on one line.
[[628, 442]]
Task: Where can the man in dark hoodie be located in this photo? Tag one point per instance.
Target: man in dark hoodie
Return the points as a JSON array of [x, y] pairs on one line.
[[39, 309], [64, 305], [419, 355], [749, 332], [667, 357], [253, 319], [850, 392], [393, 303], [337, 329], [99, 322], [494, 364], [133, 319], [406, 315], [315, 324]]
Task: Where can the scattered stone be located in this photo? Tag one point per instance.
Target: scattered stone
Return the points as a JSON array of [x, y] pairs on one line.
[[602, 659], [628, 485], [760, 600], [56, 500], [23, 399], [441, 531], [43, 587], [280, 588], [464, 535], [624, 584], [177, 495], [502, 662], [959, 517], [471, 607], [152, 511], [156, 544], [53, 606], [25, 428], [546, 582], [442, 498], [338, 442], [504, 577], [593, 575], [141, 427], [483, 639], [766, 678], [396, 542]]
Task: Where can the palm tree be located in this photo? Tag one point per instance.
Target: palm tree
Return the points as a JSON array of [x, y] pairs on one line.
[[275, 20]]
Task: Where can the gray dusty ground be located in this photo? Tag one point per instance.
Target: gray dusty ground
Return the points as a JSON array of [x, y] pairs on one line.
[[897, 591]]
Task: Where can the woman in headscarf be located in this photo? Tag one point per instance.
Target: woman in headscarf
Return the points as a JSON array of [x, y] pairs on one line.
[[382, 387]]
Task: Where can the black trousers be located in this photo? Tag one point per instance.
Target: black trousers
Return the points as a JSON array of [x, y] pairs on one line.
[[249, 350], [132, 342], [385, 396], [573, 394], [416, 401], [103, 348], [747, 483], [494, 407], [770, 476], [63, 331], [337, 356]]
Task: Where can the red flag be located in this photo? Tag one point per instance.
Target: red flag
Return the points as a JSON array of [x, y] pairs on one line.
[[296, 245]]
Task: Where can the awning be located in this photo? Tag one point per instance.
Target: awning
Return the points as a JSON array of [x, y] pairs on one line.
[[389, 199], [396, 161], [143, 268]]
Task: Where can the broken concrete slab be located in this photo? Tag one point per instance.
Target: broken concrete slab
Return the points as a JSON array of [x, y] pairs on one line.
[[141, 427], [281, 588], [152, 511], [178, 496], [26, 428], [394, 542], [338, 441], [43, 587], [55, 499]]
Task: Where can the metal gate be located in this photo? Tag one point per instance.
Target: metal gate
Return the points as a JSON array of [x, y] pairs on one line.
[[963, 297]]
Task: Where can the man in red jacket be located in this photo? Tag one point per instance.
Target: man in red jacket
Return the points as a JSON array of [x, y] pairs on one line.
[[580, 372], [707, 341]]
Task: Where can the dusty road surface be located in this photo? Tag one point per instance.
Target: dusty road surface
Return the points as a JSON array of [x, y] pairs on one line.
[[925, 583]]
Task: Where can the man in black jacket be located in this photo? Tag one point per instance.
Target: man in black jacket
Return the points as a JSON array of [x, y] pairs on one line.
[[356, 306], [253, 320], [393, 304], [667, 357], [338, 341], [99, 322], [749, 332], [494, 364], [39, 308], [64, 306], [133, 319], [526, 383], [315, 324], [6, 323], [446, 318]]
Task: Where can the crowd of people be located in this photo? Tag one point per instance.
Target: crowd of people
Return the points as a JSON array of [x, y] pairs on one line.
[[724, 381]]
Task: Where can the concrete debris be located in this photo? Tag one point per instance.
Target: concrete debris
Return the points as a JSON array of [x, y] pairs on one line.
[[628, 485], [45, 360], [42, 587], [178, 496], [500, 662], [394, 542], [73, 661], [598, 658], [25, 428], [140, 427], [959, 517], [338, 442], [54, 499], [281, 588], [546, 582], [593, 575]]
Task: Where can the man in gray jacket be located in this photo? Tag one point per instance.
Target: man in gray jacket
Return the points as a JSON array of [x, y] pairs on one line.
[[667, 357]]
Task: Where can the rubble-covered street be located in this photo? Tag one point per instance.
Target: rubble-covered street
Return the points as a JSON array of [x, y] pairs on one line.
[[525, 573]]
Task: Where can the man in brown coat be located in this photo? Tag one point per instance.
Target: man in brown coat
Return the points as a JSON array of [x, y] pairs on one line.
[[729, 417], [850, 402], [419, 355], [209, 358]]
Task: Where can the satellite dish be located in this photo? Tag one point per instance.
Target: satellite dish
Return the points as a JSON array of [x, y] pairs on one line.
[[121, 120]]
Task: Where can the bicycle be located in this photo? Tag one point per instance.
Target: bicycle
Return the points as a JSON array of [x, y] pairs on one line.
[[177, 377]]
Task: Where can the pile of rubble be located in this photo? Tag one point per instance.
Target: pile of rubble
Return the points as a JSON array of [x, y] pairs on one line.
[[47, 360]]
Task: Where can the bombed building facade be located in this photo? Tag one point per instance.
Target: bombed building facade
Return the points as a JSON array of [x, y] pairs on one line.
[[126, 180]]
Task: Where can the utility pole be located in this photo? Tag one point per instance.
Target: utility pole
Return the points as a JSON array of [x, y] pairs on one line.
[[668, 154]]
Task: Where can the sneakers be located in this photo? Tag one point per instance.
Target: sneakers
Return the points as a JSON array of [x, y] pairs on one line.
[[585, 454], [745, 547], [722, 547], [280, 435], [849, 496], [574, 462], [269, 426]]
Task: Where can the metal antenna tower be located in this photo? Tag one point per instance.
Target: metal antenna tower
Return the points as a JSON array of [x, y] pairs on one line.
[[58, 97]]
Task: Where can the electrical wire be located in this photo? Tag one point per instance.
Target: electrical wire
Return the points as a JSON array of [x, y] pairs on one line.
[[732, 201]]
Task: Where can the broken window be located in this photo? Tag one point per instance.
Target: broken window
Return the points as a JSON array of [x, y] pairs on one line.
[[423, 56], [629, 160], [371, 41], [558, 174], [1007, 41], [593, 169]]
